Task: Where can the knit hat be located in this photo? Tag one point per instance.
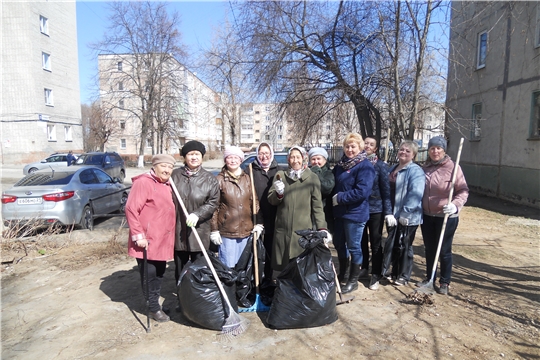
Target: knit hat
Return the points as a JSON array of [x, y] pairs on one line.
[[318, 151], [193, 145], [163, 158], [437, 141], [233, 150]]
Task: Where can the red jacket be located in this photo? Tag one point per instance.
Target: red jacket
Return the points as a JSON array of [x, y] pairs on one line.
[[438, 180], [150, 213]]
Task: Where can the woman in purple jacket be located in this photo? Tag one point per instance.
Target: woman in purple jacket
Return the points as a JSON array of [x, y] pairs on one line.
[[438, 169], [354, 176]]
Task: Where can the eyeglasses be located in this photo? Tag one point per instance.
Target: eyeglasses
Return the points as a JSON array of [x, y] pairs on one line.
[[264, 154]]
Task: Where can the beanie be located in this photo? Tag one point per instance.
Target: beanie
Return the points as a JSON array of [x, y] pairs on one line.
[[163, 158], [233, 150], [437, 141], [192, 146], [318, 151]]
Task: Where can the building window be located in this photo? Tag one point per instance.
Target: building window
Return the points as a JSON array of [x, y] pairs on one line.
[[122, 143], [257, 131], [120, 86], [535, 115], [122, 124], [121, 104], [51, 132], [48, 97], [537, 42], [266, 137], [44, 25], [68, 133], [46, 61], [119, 66], [267, 108], [148, 143], [475, 122], [267, 127], [280, 137], [482, 50]]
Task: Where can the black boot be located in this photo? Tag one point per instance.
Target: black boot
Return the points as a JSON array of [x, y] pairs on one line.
[[343, 275], [352, 283]]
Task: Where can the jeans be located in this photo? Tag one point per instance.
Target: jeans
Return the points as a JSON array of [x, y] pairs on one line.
[[348, 238], [431, 232], [375, 227], [231, 250], [156, 269]]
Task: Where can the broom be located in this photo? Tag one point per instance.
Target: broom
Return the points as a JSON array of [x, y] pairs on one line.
[[428, 288], [258, 305], [234, 323]]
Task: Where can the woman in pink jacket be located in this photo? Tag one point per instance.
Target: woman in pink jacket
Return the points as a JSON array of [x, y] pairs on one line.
[[438, 169], [151, 217]]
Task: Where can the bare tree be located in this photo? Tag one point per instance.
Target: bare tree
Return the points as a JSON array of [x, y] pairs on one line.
[[146, 44], [98, 126]]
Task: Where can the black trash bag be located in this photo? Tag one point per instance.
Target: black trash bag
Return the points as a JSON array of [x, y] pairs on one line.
[[306, 290], [245, 283], [388, 250], [394, 261], [199, 296]]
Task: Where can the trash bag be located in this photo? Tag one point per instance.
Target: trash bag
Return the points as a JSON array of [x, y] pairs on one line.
[[245, 283], [397, 243], [388, 250], [306, 290], [199, 296]]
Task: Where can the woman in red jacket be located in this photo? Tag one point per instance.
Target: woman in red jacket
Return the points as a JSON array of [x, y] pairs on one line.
[[151, 217]]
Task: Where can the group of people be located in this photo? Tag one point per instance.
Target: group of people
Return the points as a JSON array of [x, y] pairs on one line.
[[349, 204]]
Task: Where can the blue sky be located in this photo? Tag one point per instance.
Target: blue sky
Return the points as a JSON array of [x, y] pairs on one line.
[[199, 18]]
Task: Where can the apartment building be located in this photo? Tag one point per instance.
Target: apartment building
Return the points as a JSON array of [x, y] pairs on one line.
[[40, 110], [493, 96]]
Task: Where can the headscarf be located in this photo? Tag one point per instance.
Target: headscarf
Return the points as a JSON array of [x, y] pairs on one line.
[[295, 174], [271, 154]]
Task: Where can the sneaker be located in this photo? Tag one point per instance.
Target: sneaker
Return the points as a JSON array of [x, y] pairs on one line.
[[364, 274], [423, 282], [374, 283], [159, 316], [443, 289], [400, 282]]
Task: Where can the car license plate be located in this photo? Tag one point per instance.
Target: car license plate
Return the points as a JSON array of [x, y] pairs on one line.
[[30, 201]]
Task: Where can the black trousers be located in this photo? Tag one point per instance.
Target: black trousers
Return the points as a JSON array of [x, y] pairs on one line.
[[373, 236], [181, 258], [156, 270]]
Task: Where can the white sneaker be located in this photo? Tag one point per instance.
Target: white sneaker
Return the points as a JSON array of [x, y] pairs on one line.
[[374, 283]]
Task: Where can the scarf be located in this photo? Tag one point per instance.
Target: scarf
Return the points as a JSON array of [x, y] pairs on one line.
[[348, 163], [295, 174], [430, 162], [373, 158], [234, 177], [191, 172]]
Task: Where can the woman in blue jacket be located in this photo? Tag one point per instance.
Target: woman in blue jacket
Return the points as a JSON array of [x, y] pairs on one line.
[[354, 176]]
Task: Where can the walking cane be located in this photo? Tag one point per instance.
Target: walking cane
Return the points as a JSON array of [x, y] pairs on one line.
[[145, 270]]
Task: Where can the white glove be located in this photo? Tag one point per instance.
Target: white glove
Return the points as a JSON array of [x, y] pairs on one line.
[[404, 221], [257, 230], [280, 187], [328, 237], [191, 220], [390, 220], [449, 209], [334, 200], [215, 238]]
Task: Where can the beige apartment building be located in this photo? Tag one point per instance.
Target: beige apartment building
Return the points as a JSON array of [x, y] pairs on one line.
[[494, 96], [40, 111]]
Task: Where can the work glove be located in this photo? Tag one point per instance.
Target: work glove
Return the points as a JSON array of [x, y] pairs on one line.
[[191, 220], [449, 209], [257, 230], [390, 220], [215, 238], [334, 200], [328, 236], [404, 221], [280, 187]]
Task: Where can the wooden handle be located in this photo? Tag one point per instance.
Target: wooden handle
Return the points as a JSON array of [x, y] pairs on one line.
[[255, 258]]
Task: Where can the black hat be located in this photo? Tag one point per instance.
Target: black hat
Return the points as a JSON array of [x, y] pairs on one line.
[[193, 145]]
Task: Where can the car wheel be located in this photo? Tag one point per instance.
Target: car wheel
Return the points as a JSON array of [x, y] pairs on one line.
[[87, 219], [31, 170], [123, 202], [122, 176]]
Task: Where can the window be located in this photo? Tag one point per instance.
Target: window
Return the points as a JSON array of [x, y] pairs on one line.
[[257, 131], [48, 97], [280, 127], [267, 127], [121, 104], [122, 143], [122, 124], [68, 133], [44, 25], [535, 115], [280, 137], [267, 108], [119, 66], [46, 61], [266, 137], [256, 112], [475, 122], [51, 132], [120, 86], [482, 50], [327, 127], [148, 143]]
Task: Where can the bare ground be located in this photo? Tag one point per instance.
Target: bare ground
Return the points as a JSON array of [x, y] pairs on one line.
[[77, 296]]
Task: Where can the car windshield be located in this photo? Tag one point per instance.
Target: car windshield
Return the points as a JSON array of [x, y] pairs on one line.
[[49, 178], [88, 159]]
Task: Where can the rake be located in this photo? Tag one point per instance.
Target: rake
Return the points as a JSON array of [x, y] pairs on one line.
[[234, 323], [429, 288]]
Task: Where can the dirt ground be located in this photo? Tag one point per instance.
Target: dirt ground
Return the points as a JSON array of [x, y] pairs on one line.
[[78, 296]]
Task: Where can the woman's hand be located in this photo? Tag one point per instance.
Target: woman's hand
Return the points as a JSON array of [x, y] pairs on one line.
[[215, 237], [191, 220], [390, 220], [142, 243], [257, 230]]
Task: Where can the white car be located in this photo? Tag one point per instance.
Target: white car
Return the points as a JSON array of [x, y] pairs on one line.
[[52, 162]]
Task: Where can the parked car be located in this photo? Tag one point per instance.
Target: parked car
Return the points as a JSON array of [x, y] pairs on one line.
[[280, 157], [110, 162], [52, 162], [65, 196]]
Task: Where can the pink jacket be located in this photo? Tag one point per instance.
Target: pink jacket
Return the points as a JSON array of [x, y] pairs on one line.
[[150, 214], [438, 181]]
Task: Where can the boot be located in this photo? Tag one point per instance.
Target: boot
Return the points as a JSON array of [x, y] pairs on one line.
[[352, 283], [343, 275]]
